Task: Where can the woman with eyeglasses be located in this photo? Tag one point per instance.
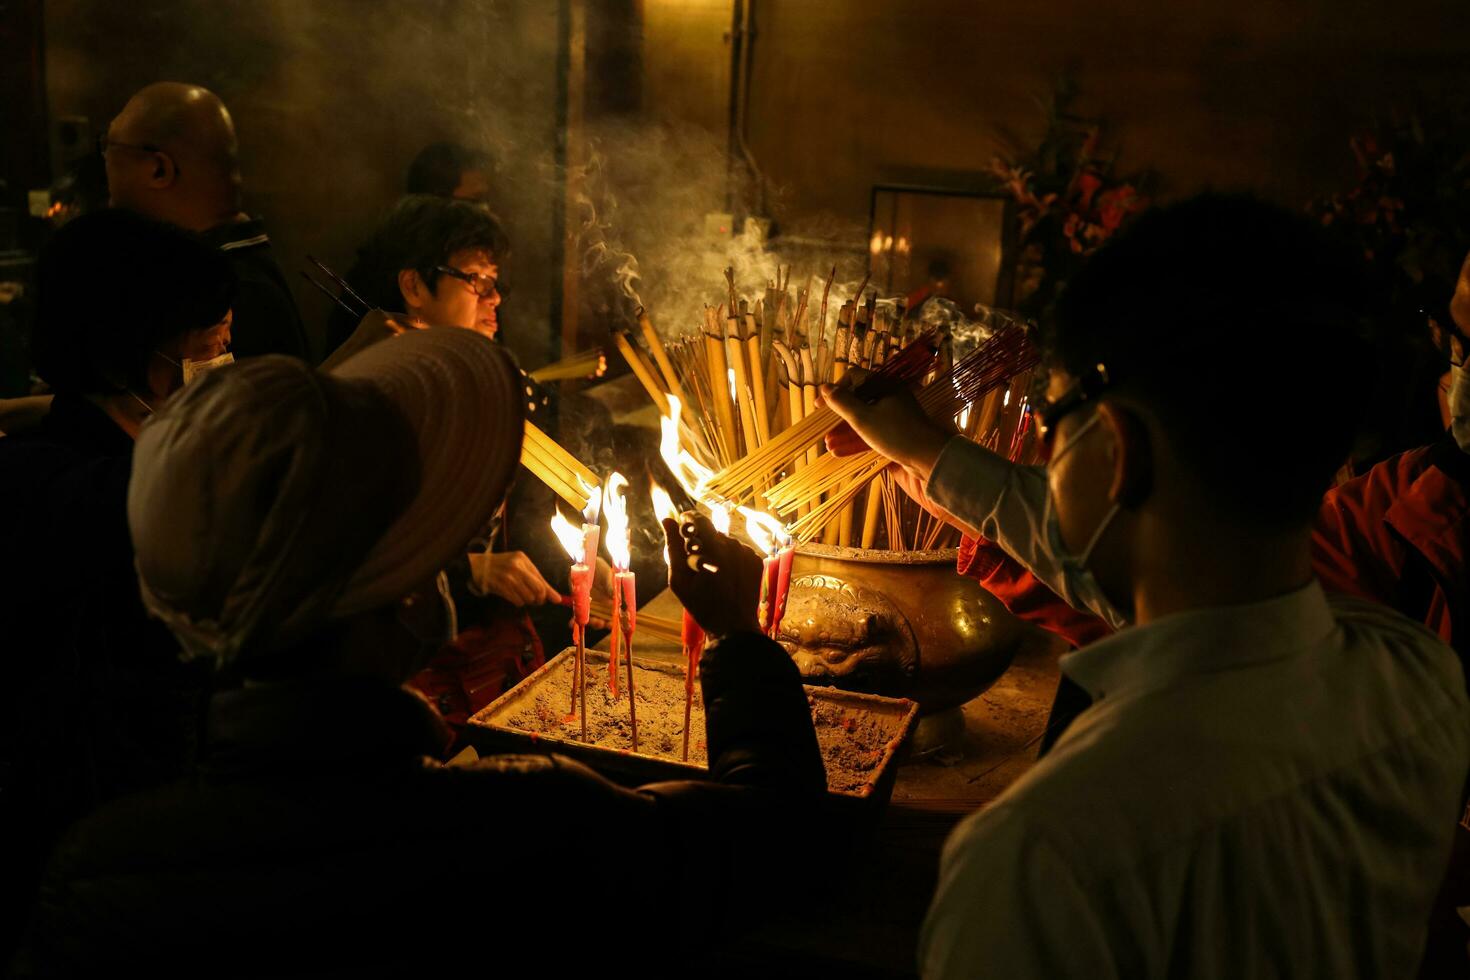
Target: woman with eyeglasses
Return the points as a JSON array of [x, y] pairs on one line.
[[436, 261]]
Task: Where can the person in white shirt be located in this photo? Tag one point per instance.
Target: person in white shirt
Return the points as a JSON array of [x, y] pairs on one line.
[[1266, 780]]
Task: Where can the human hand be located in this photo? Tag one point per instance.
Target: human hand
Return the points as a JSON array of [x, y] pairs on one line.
[[896, 427], [513, 577], [724, 600]]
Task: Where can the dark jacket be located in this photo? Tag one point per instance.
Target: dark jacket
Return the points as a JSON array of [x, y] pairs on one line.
[[95, 703], [266, 319], [319, 839]]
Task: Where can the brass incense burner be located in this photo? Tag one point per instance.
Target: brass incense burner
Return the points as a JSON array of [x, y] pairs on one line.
[[895, 623]]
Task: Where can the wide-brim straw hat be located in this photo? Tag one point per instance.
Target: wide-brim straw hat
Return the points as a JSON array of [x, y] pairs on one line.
[[268, 498]]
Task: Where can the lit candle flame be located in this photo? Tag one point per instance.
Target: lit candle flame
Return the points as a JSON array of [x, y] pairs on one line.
[[664, 509], [569, 535], [691, 474], [594, 500], [663, 504], [615, 504], [719, 516], [767, 533]]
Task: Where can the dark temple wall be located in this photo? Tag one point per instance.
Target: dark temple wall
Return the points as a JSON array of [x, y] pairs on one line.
[[332, 98]]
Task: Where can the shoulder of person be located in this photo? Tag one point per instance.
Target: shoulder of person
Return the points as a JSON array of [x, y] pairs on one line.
[[1412, 649]]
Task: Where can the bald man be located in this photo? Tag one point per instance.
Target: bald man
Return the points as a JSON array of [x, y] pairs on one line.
[[172, 155]]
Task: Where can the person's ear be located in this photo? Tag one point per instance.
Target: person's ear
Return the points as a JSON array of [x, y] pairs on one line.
[[411, 286], [1132, 455], [165, 171]]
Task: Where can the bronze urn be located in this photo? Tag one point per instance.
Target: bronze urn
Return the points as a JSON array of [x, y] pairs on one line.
[[896, 623]]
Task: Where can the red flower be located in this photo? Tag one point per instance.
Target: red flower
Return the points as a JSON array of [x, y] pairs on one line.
[[1087, 185], [1116, 204]]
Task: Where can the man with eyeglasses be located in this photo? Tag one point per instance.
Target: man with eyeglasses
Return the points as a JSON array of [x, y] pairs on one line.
[[1266, 779], [172, 155]]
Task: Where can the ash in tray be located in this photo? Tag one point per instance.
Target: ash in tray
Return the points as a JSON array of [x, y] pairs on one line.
[[852, 743]]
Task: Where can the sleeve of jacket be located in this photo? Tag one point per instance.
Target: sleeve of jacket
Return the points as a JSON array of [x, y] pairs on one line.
[[1006, 503], [1024, 595], [1353, 551]]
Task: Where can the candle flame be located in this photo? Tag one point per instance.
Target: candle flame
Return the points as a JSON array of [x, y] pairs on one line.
[[663, 508], [719, 516], [569, 535], [691, 474], [663, 504], [615, 504], [594, 500], [768, 534]]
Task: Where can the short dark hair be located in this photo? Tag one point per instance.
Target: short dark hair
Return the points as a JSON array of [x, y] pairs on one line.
[[113, 286], [1247, 331], [421, 232], [438, 168]]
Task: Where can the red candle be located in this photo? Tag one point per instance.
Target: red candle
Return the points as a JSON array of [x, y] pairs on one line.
[[625, 588], [783, 587], [770, 571], [693, 639], [581, 589]]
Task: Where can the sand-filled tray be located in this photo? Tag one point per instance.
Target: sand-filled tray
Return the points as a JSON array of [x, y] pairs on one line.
[[859, 734]]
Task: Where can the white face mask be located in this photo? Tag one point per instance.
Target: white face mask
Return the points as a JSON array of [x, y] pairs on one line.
[[1079, 585], [194, 369], [1459, 403]]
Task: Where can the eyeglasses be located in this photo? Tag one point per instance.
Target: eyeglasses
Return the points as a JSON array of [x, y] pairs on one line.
[[1089, 387], [104, 143], [484, 286]]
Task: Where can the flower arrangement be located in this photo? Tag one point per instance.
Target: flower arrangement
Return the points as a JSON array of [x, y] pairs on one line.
[[1067, 200], [1409, 208]]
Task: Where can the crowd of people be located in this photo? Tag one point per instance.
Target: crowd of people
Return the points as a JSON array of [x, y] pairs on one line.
[[259, 594]]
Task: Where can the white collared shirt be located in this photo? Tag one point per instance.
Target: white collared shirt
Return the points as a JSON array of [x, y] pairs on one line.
[[1266, 790]]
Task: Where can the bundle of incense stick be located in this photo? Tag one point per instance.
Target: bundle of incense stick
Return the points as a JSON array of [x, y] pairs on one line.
[[747, 376], [557, 468], [586, 364], [836, 482]]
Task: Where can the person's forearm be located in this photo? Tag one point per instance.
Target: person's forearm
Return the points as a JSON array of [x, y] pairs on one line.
[[1006, 503], [757, 720], [19, 414]]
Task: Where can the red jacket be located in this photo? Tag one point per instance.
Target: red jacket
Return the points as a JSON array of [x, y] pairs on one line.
[[1396, 535]]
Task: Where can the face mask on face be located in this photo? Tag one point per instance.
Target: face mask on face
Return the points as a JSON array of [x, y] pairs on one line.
[[193, 369], [1459, 402], [1080, 586]]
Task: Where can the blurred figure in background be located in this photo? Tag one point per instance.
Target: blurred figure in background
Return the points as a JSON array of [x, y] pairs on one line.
[[172, 155], [95, 703], [450, 170]]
